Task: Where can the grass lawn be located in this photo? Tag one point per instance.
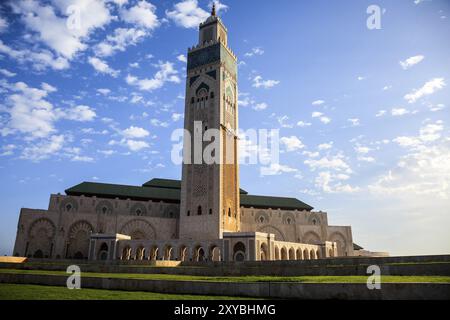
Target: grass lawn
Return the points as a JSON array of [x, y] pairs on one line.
[[306, 279], [37, 292]]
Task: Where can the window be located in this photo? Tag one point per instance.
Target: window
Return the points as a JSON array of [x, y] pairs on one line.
[[212, 94], [210, 211], [199, 210], [104, 210], [229, 212], [261, 219], [192, 100], [68, 207], [138, 212], [288, 220], [189, 213]]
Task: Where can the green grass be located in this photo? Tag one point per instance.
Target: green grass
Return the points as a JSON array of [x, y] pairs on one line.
[[38, 292], [306, 279]]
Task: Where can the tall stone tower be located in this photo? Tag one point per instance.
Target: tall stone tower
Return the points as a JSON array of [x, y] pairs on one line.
[[210, 192]]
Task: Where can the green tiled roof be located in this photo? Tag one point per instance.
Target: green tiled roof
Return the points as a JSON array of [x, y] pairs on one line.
[[169, 190], [273, 202], [170, 184], [124, 191], [163, 183]]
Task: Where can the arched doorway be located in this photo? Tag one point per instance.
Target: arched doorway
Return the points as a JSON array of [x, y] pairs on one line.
[[103, 252], [263, 252], [126, 251], [140, 253], [239, 252], [168, 252], [312, 254], [214, 253], [277, 253], [153, 253], [291, 254], [299, 254], [183, 253], [284, 255], [199, 254], [306, 254]]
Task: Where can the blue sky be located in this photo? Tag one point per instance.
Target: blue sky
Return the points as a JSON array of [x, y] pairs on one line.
[[363, 114]]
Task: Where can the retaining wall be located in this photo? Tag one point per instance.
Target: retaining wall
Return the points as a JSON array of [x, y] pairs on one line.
[[283, 290]]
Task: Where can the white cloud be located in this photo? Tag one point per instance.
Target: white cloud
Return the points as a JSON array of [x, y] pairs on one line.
[[437, 107], [107, 152], [325, 120], [47, 87], [276, 169], [303, 124], [136, 145], [354, 122], [292, 143], [119, 41], [325, 146], [360, 78], [428, 88], [257, 51], [40, 60], [258, 82], [57, 32], [3, 24], [399, 112], [187, 14], [78, 158], [43, 149], [260, 106], [31, 114], [321, 116], [102, 67], [7, 73], [177, 116], [158, 123], [135, 132], [166, 73], [362, 149], [282, 120], [182, 58], [318, 102], [326, 181], [329, 162], [78, 113], [8, 150], [104, 91], [423, 172], [428, 133], [380, 113], [408, 63], [143, 14]]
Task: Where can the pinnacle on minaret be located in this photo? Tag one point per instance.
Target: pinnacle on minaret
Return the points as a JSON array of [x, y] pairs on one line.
[[213, 10]]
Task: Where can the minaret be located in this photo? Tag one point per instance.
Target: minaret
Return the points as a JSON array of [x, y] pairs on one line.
[[210, 192]]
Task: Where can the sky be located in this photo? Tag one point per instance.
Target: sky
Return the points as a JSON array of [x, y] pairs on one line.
[[92, 91]]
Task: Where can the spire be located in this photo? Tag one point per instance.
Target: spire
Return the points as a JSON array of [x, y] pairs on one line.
[[213, 10]]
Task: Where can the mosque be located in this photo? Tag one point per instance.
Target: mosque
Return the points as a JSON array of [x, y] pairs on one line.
[[204, 217]]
